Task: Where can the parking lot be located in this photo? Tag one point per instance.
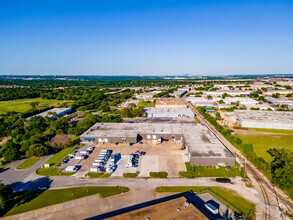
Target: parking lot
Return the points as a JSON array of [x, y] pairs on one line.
[[73, 161], [167, 157]]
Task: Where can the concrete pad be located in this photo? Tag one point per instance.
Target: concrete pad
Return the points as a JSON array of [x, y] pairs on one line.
[[121, 166], [149, 164]]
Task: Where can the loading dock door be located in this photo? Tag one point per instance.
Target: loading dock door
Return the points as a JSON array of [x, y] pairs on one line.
[[100, 140], [154, 137], [106, 140], [148, 136]]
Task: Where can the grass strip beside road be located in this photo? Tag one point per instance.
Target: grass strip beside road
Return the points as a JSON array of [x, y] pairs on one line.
[[31, 200], [161, 175], [97, 175], [130, 175], [57, 158], [54, 161], [94, 175], [27, 163], [226, 196], [210, 171]]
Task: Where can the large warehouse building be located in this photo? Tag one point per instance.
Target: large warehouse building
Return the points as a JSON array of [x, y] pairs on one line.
[[265, 119], [203, 148], [170, 112]]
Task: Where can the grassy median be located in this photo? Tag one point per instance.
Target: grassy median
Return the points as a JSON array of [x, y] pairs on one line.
[[27, 163], [31, 200], [130, 175], [161, 175]]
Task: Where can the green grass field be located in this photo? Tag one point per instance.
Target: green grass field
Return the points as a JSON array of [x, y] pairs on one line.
[[210, 171], [27, 163], [30, 200], [263, 142], [22, 105], [146, 104], [226, 196], [54, 161]]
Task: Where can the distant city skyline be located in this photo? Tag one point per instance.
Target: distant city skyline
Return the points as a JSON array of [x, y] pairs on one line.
[[148, 37]]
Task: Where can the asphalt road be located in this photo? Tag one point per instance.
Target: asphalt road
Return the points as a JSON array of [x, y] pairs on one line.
[[22, 179]]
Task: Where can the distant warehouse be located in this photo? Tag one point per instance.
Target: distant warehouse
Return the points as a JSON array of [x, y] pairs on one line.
[[53, 113], [170, 112], [203, 148], [265, 119]]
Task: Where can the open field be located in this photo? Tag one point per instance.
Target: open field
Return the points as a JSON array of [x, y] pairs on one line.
[[146, 104], [30, 200], [27, 163], [228, 197], [22, 105], [265, 139]]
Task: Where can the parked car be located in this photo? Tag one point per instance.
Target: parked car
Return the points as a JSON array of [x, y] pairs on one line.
[[65, 161], [42, 187]]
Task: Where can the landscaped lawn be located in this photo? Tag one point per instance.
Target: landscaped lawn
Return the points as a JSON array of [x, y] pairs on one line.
[[210, 171], [27, 163], [54, 161], [51, 197], [226, 196], [265, 139], [22, 105]]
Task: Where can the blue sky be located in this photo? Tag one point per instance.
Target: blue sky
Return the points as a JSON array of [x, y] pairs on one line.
[[146, 37]]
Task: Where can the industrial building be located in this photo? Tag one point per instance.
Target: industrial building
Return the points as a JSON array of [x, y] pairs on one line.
[[203, 148], [147, 96], [169, 112], [53, 113], [284, 103], [179, 92], [229, 92], [240, 100], [265, 119], [200, 101], [170, 103]]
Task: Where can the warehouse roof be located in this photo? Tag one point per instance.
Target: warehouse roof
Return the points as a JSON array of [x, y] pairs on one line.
[[169, 110], [265, 116], [169, 101], [200, 141], [53, 111]]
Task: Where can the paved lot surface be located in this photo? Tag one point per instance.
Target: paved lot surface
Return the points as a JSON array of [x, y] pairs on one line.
[[164, 210], [21, 179], [167, 156], [141, 190]]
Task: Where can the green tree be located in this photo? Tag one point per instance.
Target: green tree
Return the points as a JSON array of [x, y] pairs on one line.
[[5, 195], [37, 150], [282, 167]]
